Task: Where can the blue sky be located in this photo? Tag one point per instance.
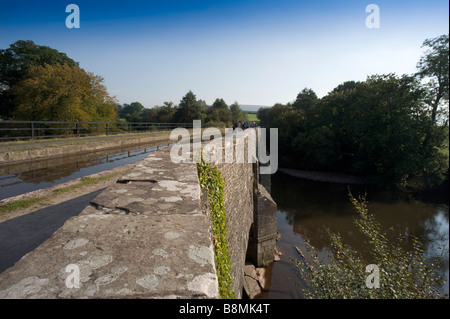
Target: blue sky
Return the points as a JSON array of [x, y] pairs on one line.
[[251, 51]]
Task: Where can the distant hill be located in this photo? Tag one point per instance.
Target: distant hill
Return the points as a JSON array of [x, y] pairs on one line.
[[254, 108]]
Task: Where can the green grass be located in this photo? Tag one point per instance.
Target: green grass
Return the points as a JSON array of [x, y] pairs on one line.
[[86, 181], [21, 204], [252, 117]]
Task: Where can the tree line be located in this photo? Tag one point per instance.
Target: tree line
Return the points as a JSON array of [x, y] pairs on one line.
[[219, 114], [392, 129], [40, 83]]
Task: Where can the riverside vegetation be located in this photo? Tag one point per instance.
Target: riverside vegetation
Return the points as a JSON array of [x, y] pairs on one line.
[[390, 129], [403, 273]]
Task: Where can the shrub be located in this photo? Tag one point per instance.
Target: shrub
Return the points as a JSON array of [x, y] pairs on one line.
[[403, 273]]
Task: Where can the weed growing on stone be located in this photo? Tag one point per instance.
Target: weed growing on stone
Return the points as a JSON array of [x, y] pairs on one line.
[[211, 179]]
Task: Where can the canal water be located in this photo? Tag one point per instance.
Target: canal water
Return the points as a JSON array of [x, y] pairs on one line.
[[29, 176], [307, 208]]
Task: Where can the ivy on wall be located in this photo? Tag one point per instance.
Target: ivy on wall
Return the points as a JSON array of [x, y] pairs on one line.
[[211, 179]]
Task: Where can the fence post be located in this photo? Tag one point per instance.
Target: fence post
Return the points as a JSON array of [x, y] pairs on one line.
[[78, 129], [32, 130], [107, 128]]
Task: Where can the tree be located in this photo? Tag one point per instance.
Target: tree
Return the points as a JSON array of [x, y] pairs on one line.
[[132, 112], [219, 112], [190, 109], [15, 63], [379, 129], [435, 65], [345, 87], [62, 93], [381, 125], [166, 112], [306, 100], [237, 114]]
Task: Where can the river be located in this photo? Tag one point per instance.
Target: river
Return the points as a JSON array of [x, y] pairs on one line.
[[306, 208]]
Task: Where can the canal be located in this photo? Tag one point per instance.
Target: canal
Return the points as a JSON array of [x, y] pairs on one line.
[[20, 178], [307, 208]]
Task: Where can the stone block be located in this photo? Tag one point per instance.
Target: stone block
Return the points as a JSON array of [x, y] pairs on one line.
[[263, 234]]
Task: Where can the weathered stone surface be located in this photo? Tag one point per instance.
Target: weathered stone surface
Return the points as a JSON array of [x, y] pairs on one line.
[[157, 167], [162, 197], [251, 285], [264, 275], [139, 239], [239, 180], [119, 256]]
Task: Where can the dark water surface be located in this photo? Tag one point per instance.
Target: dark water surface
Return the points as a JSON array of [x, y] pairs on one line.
[[29, 176], [307, 208]]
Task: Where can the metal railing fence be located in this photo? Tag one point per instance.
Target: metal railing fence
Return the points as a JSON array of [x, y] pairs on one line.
[[22, 130]]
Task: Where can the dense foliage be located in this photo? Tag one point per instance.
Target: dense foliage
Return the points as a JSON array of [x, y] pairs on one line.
[[62, 93], [402, 273], [391, 129], [219, 114], [40, 83]]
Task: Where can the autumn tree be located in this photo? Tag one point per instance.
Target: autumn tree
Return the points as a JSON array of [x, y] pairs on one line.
[[15, 62], [62, 93]]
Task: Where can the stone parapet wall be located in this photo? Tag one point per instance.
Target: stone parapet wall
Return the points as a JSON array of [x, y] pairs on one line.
[[251, 212]]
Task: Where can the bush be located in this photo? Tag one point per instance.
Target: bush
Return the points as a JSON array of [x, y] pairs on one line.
[[403, 274]]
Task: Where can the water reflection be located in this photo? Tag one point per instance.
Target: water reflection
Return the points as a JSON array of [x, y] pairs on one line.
[[37, 174], [307, 209]]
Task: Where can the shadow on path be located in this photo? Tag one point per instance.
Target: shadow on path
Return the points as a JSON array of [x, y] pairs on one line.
[[20, 235]]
